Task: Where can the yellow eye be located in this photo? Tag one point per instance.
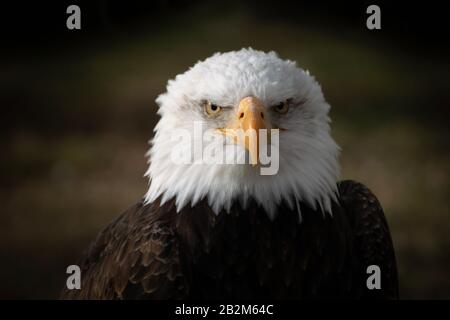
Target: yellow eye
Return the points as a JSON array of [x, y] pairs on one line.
[[211, 109], [282, 107]]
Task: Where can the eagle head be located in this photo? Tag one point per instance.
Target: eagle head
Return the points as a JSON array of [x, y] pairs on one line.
[[202, 150]]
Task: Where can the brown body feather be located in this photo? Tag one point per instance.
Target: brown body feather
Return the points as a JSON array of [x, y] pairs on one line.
[[152, 252]]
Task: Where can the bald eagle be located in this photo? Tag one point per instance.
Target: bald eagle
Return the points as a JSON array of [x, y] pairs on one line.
[[224, 229]]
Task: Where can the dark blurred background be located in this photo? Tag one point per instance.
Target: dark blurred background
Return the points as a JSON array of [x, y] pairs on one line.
[[77, 110]]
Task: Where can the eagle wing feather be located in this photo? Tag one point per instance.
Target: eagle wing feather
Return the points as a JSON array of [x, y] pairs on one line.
[[371, 237], [126, 262]]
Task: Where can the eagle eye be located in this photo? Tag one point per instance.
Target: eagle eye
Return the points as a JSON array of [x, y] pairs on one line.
[[282, 107], [211, 109]]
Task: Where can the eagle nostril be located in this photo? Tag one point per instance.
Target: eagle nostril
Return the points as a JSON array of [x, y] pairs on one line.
[[241, 115], [262, 115]]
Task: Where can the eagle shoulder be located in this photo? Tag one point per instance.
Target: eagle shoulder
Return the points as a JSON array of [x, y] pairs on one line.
[[371, 236], [134, 257]]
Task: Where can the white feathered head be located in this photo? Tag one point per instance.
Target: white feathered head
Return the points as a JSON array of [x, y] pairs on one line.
[[244, 90]]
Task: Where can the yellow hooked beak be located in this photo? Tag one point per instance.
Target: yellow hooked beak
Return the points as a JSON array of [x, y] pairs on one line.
[[250, 118]]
